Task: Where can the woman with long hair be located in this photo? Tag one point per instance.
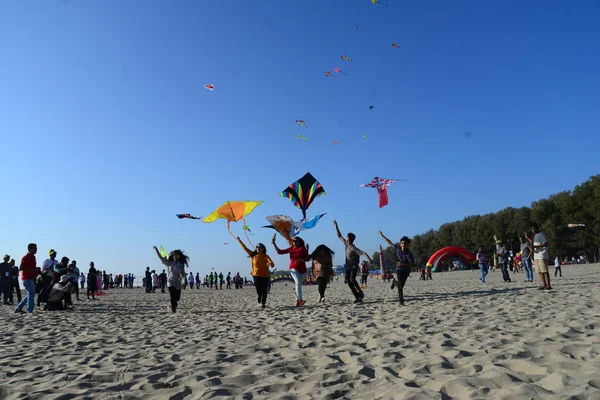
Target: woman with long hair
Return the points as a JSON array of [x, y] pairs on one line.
[[261, 263], [175, 263], [298, 252], [322, 268]]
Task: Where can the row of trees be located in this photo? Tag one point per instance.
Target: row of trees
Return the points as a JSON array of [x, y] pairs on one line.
[[553, 214]]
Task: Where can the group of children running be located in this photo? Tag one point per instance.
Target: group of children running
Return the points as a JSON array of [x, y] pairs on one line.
[[298, 250]]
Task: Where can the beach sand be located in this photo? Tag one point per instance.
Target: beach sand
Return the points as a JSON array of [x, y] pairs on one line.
[[455, 338]]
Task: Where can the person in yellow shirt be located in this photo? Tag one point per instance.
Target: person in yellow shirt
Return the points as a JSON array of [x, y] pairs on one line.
[[260, 269]]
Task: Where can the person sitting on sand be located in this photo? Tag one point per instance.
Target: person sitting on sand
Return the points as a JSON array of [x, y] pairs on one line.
[[404, 263], [353, 254], [175, 264], [261, 263], [322, 268], [298, 256], [59, 292]]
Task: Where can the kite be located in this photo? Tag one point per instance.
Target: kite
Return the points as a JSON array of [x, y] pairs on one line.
[[346, 58], [301, 123], [357, 26], [303, 192], [395, 45], [381, 185], [335, 142], [163, 253], [328, 73], [287, 228], [188, 216], [209, 87], [371, 107], [233, 211], [225, 243], [575, 225], [364, 135], [377, 1], [339, 71], [298, 136]]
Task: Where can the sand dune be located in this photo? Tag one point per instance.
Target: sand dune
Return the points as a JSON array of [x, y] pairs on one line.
[[455, 338]]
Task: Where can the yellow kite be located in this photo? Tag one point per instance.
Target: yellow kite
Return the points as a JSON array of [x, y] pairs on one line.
[[233, 211]]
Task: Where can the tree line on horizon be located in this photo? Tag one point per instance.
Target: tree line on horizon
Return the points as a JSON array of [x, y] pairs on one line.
[[553, 214]]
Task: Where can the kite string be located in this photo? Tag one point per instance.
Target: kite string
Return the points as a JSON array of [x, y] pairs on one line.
[[246, 232]]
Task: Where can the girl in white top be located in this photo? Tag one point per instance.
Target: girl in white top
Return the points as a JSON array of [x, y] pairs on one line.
[[175, 264]]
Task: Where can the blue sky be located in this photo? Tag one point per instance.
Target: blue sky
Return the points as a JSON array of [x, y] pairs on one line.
[[108, 132]]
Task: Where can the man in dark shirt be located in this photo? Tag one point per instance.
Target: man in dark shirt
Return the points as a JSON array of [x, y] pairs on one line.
[[5, 278], [353, 254], [405, 261]]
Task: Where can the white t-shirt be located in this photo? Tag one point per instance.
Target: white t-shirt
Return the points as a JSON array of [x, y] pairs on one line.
[[556, 262], [541, 253]]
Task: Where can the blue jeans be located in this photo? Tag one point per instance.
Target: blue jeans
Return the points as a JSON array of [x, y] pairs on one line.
[[528, 269], [298, 278], [29, 299], [483, 269]]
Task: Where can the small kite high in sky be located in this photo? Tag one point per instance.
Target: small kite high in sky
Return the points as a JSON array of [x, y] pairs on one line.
[[371, 107], [327, 73], [378, 2], [233, 211], [303, 192], [346, 58], [209, 87], [395, 45], [364, 135], [381, 185], [339, 71], [188, 216], [301, 123], [298, 136], [357, 26], [335, 142]]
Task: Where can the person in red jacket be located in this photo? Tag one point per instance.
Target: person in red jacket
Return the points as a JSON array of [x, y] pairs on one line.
[[298, 256], [29, 272]]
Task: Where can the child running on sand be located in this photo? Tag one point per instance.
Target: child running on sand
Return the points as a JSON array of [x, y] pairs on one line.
[[353, 254], [298, 256], [260, 270], [322, 268], [175, 264], [404, 263]]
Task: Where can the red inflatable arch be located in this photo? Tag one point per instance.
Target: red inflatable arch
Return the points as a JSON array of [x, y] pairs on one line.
[[451, 252]]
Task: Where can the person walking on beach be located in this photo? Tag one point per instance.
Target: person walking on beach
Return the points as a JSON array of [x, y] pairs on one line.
[[481, 261], [353, 254], [322, 268], [14, 274], [92, 281], [526, 254], [557, 269], [29, 272], [148, 280], [261, 263], [405, 261], [502, 260], [228, 279], [82, 280], [541, 255], [365, 273], [298, 256], [175, 264]]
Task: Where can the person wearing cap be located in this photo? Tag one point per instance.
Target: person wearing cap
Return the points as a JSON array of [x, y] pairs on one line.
[[5, 278], [48, 276], [29, 272], [60, 291], [502, 260]]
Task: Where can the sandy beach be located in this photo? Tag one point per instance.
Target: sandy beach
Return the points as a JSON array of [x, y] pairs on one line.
[[455, 338]]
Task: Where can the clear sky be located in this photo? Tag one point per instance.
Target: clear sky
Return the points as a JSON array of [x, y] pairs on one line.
[[107, 130]]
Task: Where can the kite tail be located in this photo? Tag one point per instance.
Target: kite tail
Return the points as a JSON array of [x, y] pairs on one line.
[[246, 232], [229, 230]]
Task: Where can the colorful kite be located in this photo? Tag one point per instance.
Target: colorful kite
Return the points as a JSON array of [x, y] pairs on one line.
[[188, 216], [303, 192], [381, 185], [301, 123], [339, 71], [328, 73], [346, 58], [209, 87], [287, 228], [377, 1], [364, 135], [233, 211], [335, 142], [298, 136], [395, 45], [576, 225]]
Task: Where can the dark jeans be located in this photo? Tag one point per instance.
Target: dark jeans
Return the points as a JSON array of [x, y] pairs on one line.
[[322, 281], [163, 286], [17, 288], [175, 295], [5, 288], [402, 276], [46, 285], [76, 289], [262, 288], [504, 268], [557, 270], [352, 283], [82, 285]]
